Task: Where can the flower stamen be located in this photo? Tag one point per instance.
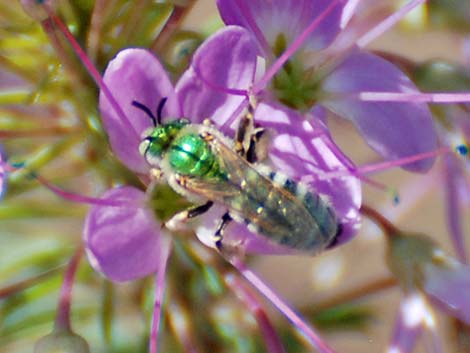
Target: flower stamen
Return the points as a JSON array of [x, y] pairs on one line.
[[281, 60]]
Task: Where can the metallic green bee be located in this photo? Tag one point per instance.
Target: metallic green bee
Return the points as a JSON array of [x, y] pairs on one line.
[[206, 167]]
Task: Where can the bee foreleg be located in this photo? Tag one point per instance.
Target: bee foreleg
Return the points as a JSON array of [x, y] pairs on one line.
[[219, 233], [176, 222]]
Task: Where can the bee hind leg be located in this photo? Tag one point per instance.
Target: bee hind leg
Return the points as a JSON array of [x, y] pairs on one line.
[[219, 233]]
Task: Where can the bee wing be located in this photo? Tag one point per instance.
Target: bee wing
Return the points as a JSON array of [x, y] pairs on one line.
[[215, 190], [275, 212]]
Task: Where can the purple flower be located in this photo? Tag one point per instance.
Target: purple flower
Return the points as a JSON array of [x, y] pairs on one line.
[[454, 131], [453, 128], [414, 316], [320, 70], [123, 242], [303, 151], [428, 277], [449, 288]]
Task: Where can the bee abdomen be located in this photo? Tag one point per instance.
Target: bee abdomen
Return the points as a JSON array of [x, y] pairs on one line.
[[317, 206]]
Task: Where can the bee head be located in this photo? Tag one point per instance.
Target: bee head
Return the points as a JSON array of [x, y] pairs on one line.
[[158, 139]]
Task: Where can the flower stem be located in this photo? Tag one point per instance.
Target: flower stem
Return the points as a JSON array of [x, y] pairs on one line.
[[180, 323], [65, 58], [356, 293], [173, 23], [62, 321], [388, 228], [96, 24], [309, 333], [92, 71], [389, 22], [36, 132], [416, 97], [159, 290], [381, 166], [273, 342], [27, 283]]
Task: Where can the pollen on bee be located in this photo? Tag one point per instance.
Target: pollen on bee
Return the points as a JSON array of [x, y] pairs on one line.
[[207, 136], [156, 174], [252, 228]]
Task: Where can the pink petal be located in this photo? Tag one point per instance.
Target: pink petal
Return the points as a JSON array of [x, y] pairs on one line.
[[450, 289], [236, 235], [304, 152], [394, 130], [123, 243], [409, 323], [134, 74], [225, 61], [288, 18], [455, 188]]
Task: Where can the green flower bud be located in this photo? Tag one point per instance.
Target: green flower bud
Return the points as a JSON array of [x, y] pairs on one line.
[[62, 341]]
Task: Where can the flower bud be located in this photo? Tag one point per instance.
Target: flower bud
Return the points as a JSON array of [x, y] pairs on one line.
[[407, 256], [419, 264], [62, 341], [36, 8]]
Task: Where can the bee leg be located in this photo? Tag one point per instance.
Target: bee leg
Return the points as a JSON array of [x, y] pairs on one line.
[[199, 210], [180, 218], [251, 142], [259, 144], [156, 177], [242, 138], [334, 241], [219, 233]]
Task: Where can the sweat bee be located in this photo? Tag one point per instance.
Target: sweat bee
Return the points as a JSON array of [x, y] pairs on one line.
[[209, 169]]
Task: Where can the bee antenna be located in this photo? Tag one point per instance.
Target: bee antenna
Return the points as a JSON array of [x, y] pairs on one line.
[[160, 109], [146, 110]]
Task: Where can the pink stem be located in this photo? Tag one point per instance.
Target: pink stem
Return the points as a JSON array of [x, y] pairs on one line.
[[76, 197], [181, 326], [417, 97], [92, 71], [273, 342], [389, 22], [159, 290], [378, 167], [17, 287], [282, 306], [66, 195], [62, 321]]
